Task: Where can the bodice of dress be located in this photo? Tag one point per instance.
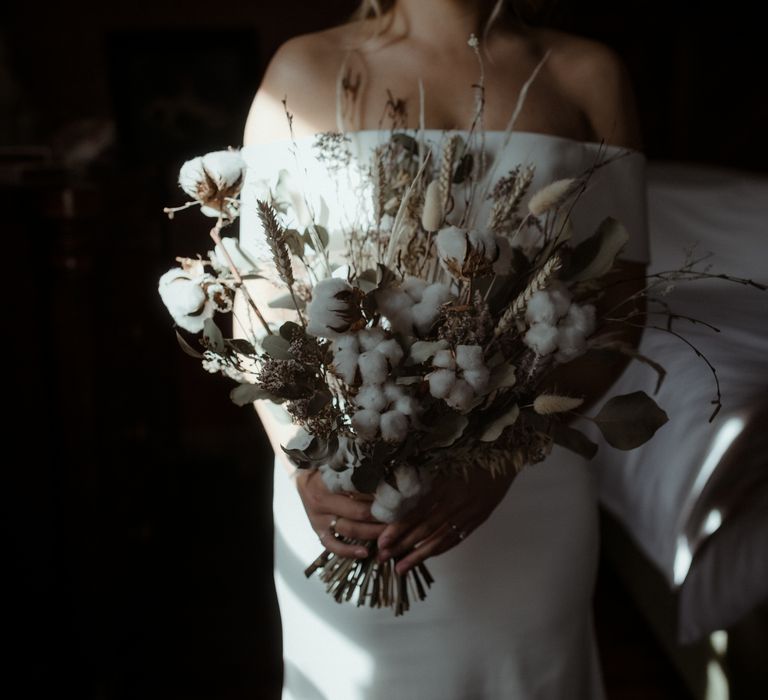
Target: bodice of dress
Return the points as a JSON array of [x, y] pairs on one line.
[[333, 194]]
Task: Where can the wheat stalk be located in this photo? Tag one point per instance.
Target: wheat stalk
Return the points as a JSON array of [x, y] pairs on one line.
[[537, 283], [445, 177]]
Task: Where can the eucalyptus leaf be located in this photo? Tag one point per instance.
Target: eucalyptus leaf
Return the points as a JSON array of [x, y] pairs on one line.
[[463, 169], [187, 348], [322, 234], [290, 329], [244, 394], [496, 428], [595, 256], [295, 241], [285, 301], [212, 336], [630, 420], [407, 142], [366, 476], [502, 377], [446, 432], [276, 347], [318, 402]]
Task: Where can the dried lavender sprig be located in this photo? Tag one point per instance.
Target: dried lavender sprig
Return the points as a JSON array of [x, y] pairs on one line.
[[518, 305], [276, 238]]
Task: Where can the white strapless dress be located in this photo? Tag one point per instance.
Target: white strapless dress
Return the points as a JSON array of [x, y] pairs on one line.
[[510, 612]]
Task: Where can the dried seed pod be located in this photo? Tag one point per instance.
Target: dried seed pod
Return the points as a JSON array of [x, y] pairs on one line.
[[432, 214], [546, 404], [550, 196]]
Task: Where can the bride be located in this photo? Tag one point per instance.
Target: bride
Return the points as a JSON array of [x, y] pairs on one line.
[[510, 613]]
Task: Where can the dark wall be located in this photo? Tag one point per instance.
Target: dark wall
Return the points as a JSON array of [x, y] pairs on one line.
[[138, 509]]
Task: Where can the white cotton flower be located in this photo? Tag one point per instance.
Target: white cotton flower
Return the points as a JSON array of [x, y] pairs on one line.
[[541, 309], [388, 496], [541, 338], [461, 396], [392, 391], [560, 297], [469, 356], [219, 296], [330, 478], [425, 313], [394, 426], [333, 308], [370, 338], [414, 287], [395, 305], [345, 365], [346, 342], [407, 405], [581, 317], [451, 243], [483, 242], [408, 483], [185, 298], [243, 263], [212, 178], [571, 343], [444, 359], [478, 379], [371, 396], [300, 440], [373, 367], [441, 382], [391, 349], [366, 423], [382, 514]]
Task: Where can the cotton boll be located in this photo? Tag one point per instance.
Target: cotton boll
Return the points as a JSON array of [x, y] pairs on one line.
[[441, 382], [390, 498], [402, 322], [581, 317], [370, 338], [181, 294], [394, 426], [444, 359], [540, 309], [346, 342], [483, 242], [425, 313], [392, 301], [393, 392], [461, 397], [373, 367], [469, 356], [366, 423], [391, 349], [345, 365], [372, 397], [192, 176], [414, 287], [408, 483], [407, 405], [560, 298], [330, 479], [226, 168], [571, 343], [345, 480], [478, 379], [332, 309], [451, 244], [211, 177], [382, 514], [541, 338]]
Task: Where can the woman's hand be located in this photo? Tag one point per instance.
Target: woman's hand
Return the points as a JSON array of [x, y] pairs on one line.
[[447, 514], [331, 514]]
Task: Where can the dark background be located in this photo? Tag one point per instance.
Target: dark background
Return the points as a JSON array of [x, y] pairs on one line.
[[137, 505]]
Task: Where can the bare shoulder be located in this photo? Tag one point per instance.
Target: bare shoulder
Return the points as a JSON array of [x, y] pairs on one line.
[[594, 77], [303, 72]]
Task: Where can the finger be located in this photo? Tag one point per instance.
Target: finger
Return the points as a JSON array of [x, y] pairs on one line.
[[398, 529], [356, 530], [341, 548], [342, 507], [441, 541], [419, 532]]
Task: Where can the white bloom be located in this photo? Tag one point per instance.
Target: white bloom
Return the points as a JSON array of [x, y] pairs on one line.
[[461, 396], [372, 397], [382, 514], [345, 364], [219, 296], [186, 299], [373, 367], [469, 356], [394, 426], [560, 297], [387, 496], [581, 317], [441, 382], [393, 392], [370, 337], [451, 245], [541, 338], [541, 309], [407, 405], [391, 349], [346, 342], [425, 313], [414, 287], [331, 478], [444, 359], [366, 423], [332, 309], [571, 343], [407, 480], [212, 178], [396, 307], [478, 378]]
